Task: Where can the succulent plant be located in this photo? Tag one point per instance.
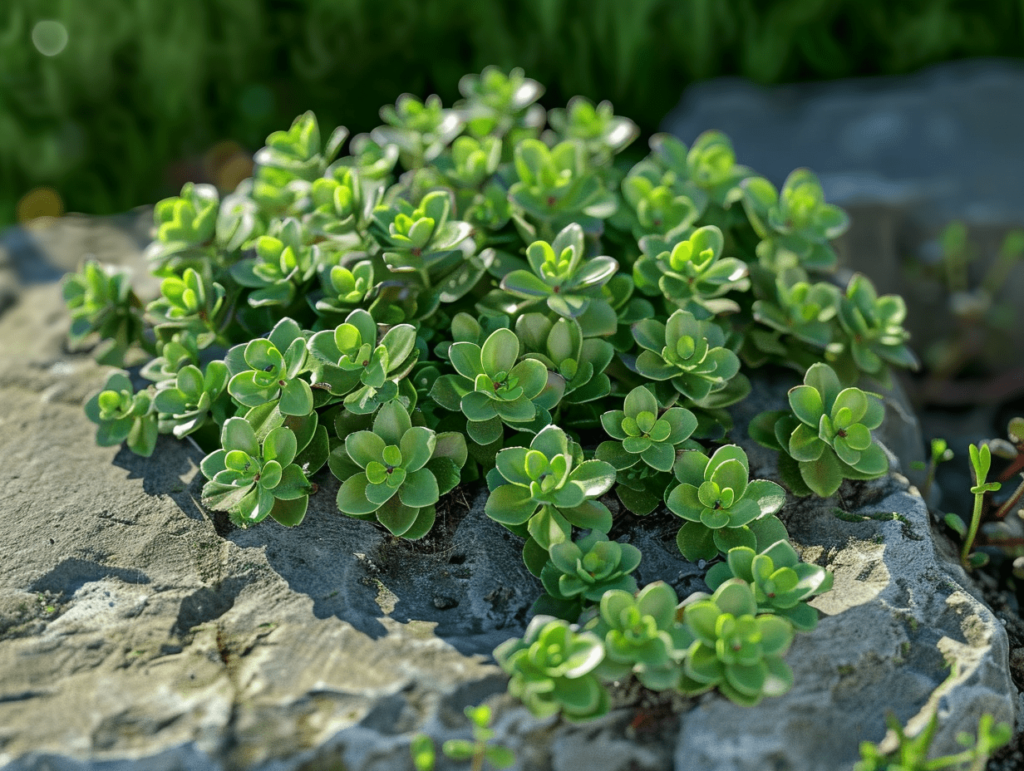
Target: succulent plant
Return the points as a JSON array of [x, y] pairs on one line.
[[420, 129], [552, 670], [641, 636], [874, 329], [719, 501], [795, 223], [561, 347], [251, 479], [690, 354], [282, 266], [349, 361], [192, 398], [826, 436], [497, 103], [645, 433], [101, 303], [180, 351], [578, 573], [261, 373], [735, 649], [556, 188], [602, 131], [561, 277], [694, 272], [547, 488], [801, 309], [185, 225], [123, 415], [192, 303], [781, 582], [492, 389], [396, 472]]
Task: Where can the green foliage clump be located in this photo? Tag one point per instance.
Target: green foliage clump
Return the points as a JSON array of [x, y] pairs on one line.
[[485, 293], [826, 436]]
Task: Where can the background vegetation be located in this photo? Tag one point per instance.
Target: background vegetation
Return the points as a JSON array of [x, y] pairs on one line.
[[145, 96]]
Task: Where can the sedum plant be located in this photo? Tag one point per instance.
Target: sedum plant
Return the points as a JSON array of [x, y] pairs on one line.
[[826, 436], [578, 574], [781, 582], [546, 488], [123, 415], [478, 751], [720, 503], [251, 479], [642, 636], [734, 649], [552, 670], [488, 292], [396, 472]]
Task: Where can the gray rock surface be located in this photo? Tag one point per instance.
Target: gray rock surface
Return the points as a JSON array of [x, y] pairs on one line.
[[904, 155], [138, 632]]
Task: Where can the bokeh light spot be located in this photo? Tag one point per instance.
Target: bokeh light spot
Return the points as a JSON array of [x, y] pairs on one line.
[[226, 164], [40, 202], [49, 37]]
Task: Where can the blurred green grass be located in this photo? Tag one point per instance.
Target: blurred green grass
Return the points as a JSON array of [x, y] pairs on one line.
[[143, 90]]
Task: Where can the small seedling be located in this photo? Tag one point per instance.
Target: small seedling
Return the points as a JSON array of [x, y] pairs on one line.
[[477, 751], [911, 753], [940, 453], [981, 463]]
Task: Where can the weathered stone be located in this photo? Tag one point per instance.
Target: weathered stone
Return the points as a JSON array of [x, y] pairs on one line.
[[137, 631]]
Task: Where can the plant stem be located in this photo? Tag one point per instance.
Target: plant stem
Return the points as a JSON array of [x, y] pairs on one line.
[[973, 531], [478, 758], [1012, 501]]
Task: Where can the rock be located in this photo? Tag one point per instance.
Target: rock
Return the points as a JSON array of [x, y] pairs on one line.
[[138, 631], [905, 156]]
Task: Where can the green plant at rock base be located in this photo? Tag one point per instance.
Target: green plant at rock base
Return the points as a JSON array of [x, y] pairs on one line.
[[102, 304], [721, 504], [781, 582], [552, 670], [123, 415], [546, 488], [911, 753], [478, 751], [981, 463], [457, 298], [395, 473], [826, 437], [734, 649], [642, 636], [251, 479], [579, 574]]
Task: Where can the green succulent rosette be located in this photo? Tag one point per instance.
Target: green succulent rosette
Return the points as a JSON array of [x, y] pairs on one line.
[[826, 436], [396, 472], [350, 362], [874, 336], [734, 649], [795, 224], [578, 573], [645, 433], [694, 272], [782, 584], [192, 399], [546, 488], [252, 479], [720, 503], [268, 370], [101, 303], [491, 388], [641, 636], [552, 670], [123, 415]]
